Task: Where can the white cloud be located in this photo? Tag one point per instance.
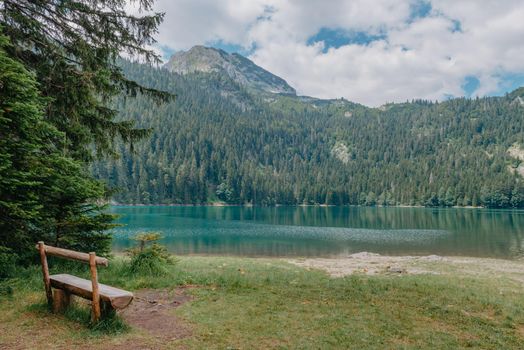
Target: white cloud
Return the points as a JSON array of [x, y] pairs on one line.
[[191, 22], [419, 58]]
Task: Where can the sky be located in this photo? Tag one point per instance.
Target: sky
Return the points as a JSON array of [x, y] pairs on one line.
[[367, 51]]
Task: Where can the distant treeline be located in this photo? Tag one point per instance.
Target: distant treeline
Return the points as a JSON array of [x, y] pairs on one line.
[[219, 142]]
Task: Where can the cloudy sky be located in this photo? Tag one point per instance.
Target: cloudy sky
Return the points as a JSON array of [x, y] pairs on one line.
[[368, 51]]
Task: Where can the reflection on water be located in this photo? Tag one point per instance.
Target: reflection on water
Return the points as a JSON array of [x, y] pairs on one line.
[[326, 231]]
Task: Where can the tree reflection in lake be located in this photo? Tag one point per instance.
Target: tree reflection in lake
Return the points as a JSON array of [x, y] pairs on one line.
[[326, 231]]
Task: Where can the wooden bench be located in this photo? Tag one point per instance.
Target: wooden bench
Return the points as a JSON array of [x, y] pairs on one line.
[[103, 298]]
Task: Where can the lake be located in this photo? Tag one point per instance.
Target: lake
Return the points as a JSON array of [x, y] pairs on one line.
[[325, 231]]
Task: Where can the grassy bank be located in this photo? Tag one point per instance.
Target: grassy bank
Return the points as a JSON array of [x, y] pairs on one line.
[[264, 303]]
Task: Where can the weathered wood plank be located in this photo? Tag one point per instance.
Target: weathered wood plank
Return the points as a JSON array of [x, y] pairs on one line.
[[118, 298], [72, 255]]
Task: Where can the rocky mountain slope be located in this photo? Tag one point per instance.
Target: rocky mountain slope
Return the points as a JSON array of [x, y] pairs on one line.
[[237, 67]]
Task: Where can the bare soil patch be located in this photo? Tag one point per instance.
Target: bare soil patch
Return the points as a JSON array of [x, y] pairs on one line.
[[152, 311], [371, 264]]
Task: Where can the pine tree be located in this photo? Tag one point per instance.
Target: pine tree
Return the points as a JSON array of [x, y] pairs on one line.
[[73, 47], [44, 194], [22, 136]]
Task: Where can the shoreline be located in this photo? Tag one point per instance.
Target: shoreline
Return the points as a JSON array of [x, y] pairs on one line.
[[373, 264], [361, 254], [249, 205]]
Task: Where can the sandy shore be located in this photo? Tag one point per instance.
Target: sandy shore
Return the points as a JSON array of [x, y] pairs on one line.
[[372, 264]]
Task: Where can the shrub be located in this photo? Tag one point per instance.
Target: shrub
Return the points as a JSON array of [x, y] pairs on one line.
[[8, 261], [149, 257]]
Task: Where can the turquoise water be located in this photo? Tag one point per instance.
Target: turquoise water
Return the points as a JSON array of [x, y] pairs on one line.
[[326, 231]]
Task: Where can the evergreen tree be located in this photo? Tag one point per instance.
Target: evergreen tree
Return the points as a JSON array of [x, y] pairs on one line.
[[44, 194], [73, 47], [23, 134]]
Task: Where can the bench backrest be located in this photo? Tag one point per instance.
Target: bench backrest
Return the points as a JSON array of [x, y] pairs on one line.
[[72, 255], [90, 258]]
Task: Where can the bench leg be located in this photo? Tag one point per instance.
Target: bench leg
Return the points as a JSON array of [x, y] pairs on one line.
[[107, 309], [61, 300]]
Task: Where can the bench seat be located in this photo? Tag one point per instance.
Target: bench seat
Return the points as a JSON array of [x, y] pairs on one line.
[[118, 298]]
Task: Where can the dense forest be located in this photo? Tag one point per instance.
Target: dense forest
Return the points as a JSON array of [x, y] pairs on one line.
[[222, 142]]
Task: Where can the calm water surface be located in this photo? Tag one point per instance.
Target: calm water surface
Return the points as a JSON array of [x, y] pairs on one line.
[[326, 231]]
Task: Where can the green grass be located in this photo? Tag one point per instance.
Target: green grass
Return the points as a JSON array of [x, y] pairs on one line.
[[264, 303]]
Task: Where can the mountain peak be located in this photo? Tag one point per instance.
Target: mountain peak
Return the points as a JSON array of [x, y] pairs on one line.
[[239, 68]]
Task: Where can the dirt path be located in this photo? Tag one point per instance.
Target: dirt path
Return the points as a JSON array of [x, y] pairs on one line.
[[372, 264], [152, 311]]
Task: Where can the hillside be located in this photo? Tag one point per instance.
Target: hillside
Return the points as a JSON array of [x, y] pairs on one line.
[[224, 140]]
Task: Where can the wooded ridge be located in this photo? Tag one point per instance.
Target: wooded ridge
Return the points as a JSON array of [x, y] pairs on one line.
[[222, 141]]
